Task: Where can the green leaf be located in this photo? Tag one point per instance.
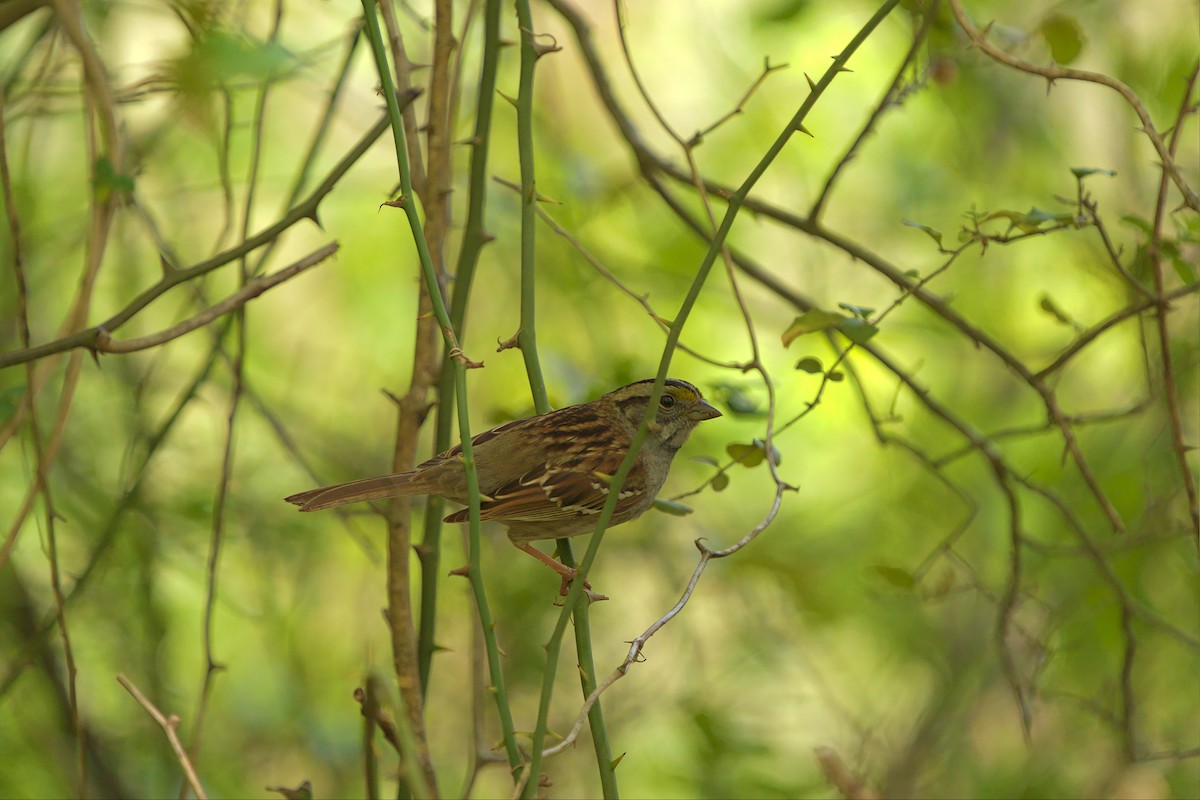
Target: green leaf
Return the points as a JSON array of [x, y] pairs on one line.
[[301, 792], [107, 180], [719, 482], [859, 311], [671, 507], [712, 462], [1063, 36], [1035, 217], [218, 58], [10, 398], [746, 454], [900, 578], [913, 273], [776, 457], [837, 377], [753, 454], [1032, 219], [1083, 172], [857, 330], [1184, 269], [1137, 222], [811, 321], [1188, 230], [934, 233], [1004, 213], [1050, 307], [811, 365]]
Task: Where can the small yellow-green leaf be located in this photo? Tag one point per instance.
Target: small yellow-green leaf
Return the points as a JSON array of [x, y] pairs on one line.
[[671, 507], [897, 577], [862, 312], [301, 792], [1063, 36], [857, 330], [712, 462], [1185, 269], [1036, 217], [1083, 172], [934, 233], [1137, 222], [837, 377], [1048, 305], [775, 455], [719, 482], [810, 321], [1008, 214], [107, 180], [811, 365], [746, 454]]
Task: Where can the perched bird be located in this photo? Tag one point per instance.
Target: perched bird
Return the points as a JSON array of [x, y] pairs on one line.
[[547, 477]]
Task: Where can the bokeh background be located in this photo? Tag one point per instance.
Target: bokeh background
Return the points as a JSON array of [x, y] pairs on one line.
[[864, 619]]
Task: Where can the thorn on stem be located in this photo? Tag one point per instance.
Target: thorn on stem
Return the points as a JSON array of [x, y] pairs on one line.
[[457, 354], [399, 202]]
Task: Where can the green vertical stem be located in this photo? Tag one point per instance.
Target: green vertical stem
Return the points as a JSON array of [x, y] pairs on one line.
[[527, 340], [527, 336], [554, 645], [475, 236], [429, 274]]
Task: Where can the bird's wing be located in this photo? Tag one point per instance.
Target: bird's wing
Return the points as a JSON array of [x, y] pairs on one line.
[[574, 486]]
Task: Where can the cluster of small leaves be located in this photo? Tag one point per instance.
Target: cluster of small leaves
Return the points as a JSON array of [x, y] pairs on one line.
[[747, 455], [1033, 221], [813, 366], [855, 326]]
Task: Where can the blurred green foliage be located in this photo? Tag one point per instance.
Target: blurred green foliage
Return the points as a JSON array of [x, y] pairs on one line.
[[866, 618]]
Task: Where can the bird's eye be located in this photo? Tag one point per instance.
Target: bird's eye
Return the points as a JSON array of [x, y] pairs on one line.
[[666, 401]]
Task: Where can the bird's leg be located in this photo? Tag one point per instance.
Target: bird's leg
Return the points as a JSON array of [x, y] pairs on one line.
[[567, 573]]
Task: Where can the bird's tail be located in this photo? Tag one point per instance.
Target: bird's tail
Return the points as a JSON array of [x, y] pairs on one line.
[[357, 491]]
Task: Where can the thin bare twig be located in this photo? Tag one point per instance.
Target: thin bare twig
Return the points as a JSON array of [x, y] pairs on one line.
[[170, 726], [252, 289]]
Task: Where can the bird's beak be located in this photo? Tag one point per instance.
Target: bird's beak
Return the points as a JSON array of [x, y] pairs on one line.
[[704, 410]]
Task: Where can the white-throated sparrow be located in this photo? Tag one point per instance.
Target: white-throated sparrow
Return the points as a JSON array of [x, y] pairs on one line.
[[547, 477]]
